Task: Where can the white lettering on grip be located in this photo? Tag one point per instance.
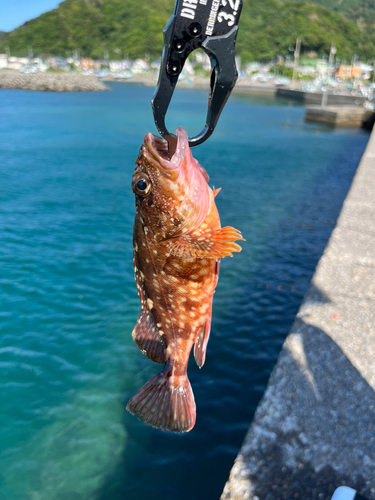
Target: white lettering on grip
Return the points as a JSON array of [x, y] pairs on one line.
[[188, 13]]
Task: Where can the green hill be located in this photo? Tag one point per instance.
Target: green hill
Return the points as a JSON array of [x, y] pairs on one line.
[[362, 12], [270, 27], [267, 28]]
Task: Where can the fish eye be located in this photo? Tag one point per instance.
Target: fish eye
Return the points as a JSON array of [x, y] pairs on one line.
[[141, 185]]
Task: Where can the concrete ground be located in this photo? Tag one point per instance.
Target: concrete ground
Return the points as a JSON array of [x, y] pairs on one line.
[[314, 429]]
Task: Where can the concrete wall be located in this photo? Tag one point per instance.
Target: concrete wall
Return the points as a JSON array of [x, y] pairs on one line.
[[340, 116], [314, 429], [316, 97]]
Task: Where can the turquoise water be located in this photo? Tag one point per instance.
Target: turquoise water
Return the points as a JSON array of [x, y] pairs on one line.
[[68, 300]]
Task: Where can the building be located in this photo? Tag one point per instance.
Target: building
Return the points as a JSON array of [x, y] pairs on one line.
[[17, 62], [3, 61], [348, 72], [87, 63]]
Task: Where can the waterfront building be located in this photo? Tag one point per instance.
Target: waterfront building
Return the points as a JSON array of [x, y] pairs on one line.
[[115, 66], [17, 62], [87, 63], [3, 61], [140, 66], [348, 72]]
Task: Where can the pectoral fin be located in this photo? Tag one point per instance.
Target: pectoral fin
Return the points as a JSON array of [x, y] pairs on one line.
[[211, 245]]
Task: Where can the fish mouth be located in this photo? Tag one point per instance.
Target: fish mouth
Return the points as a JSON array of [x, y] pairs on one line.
[[156, 150]]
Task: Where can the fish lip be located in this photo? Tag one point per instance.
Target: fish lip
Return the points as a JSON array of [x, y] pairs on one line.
[[156, 148]]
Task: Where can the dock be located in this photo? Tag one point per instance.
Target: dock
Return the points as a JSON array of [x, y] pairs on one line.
[[314, 429], [333, 99], [340, 116]]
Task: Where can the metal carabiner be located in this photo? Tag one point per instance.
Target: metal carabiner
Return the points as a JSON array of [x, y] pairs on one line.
[[208, 24]]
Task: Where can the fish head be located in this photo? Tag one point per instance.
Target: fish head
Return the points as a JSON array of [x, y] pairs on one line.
[[172, 193]]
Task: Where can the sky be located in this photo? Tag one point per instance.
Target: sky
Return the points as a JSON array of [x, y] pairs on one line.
[[13, 13]]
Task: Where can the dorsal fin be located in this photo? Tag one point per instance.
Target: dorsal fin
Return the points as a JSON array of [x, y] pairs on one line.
[[216, 191]]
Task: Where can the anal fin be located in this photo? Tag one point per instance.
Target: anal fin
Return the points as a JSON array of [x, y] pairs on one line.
[[147, 338], [200, 346], [212, 244]]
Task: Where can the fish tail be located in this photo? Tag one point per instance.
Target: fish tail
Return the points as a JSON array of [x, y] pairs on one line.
[[166, 402]]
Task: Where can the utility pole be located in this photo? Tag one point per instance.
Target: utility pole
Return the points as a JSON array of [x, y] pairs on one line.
[[296, 60], [332, 52], [331, 56], [30, 50], [106, 56]]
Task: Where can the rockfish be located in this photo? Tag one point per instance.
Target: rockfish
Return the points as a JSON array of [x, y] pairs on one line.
[[178, 243]]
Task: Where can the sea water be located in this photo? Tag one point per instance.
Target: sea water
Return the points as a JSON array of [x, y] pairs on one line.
[[68, 299]]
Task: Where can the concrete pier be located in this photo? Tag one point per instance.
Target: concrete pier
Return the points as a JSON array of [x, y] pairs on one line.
[[314, 429], [316, 97], [339, 116]]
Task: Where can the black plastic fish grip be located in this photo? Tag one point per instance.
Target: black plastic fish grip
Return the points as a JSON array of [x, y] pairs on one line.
[[208, 24]]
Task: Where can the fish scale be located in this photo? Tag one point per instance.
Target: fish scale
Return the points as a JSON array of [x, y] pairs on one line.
[[178, 243]]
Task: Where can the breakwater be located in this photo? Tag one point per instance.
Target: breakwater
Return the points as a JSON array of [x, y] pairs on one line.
[[316, 97], [53, 82], [314, 429], [341, 116]]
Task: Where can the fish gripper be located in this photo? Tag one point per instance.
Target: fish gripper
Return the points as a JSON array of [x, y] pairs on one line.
[[211, 25]]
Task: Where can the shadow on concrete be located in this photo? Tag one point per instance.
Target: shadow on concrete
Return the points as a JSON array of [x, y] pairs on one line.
[[309, 438]]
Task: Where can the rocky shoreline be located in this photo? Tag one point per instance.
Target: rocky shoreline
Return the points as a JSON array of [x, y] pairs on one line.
[[52, 82], [77, 82]]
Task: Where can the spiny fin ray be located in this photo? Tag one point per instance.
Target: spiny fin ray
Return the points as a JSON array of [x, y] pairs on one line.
[[216, 191]]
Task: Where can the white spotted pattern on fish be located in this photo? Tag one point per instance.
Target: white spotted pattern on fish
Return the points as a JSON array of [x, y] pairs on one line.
[[178, 243]]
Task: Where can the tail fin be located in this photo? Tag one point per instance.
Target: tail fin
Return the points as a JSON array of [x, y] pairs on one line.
[[165, 404]]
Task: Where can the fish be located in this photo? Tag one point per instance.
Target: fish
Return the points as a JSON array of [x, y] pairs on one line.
[[178, 242]]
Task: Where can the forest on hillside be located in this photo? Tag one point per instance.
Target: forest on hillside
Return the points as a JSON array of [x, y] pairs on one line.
[[362, 12], [132, 29]]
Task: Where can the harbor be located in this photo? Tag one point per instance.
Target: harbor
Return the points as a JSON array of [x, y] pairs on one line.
[[250, 378], [343, 110], [68, 209]]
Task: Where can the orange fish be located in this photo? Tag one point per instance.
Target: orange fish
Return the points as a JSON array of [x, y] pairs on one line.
[[178, 243]]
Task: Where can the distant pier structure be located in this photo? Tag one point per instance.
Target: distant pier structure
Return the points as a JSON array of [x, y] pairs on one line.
[[314, 429], [332, 99], [341, 116]]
